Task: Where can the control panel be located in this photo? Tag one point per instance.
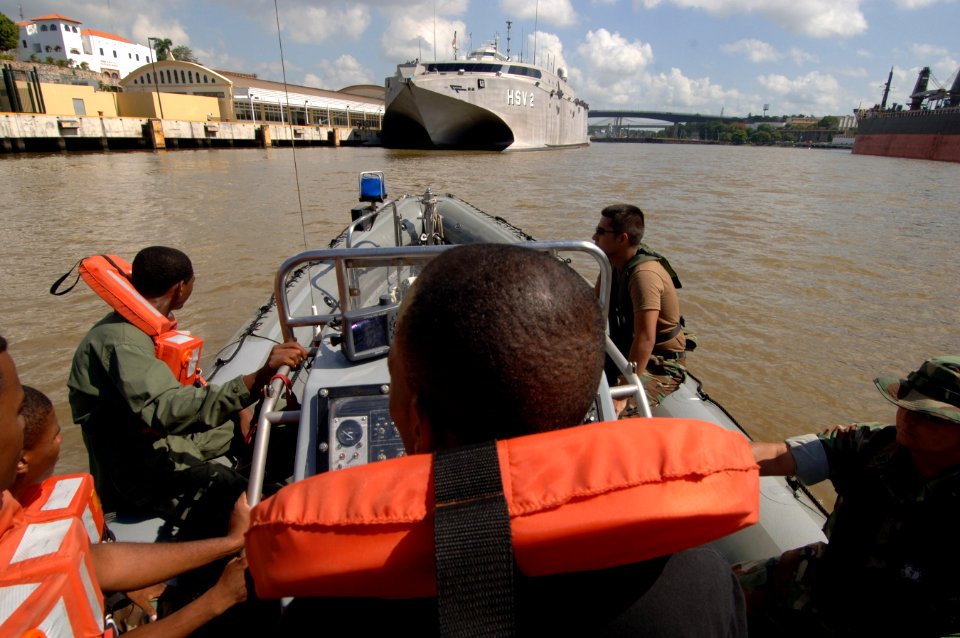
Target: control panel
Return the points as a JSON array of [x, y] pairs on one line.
[[356, 428]]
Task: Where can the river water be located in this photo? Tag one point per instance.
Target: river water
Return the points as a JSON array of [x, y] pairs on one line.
[[806, 273]]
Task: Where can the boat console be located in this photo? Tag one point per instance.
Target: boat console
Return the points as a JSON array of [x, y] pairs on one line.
[[345, 419]]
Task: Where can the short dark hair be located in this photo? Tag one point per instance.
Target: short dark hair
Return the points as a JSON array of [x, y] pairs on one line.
[[36, 408], [157, 268], [626, 218], [501, 341]]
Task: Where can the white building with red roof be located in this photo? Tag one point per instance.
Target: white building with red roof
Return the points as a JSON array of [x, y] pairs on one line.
[[61, 38]]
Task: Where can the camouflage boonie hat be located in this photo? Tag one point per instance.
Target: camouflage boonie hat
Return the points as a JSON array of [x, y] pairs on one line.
[[934, 389]]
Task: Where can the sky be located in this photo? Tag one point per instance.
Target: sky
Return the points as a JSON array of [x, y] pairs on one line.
[[810, 57]]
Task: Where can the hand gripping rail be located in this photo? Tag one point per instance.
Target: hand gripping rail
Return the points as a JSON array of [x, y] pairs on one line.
[[344, 258]]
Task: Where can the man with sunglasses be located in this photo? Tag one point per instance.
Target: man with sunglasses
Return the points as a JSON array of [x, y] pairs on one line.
[[645, 320]]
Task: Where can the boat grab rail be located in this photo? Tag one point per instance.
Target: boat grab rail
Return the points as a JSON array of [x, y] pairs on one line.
[[403, 256], [342, 258], [397, 220]]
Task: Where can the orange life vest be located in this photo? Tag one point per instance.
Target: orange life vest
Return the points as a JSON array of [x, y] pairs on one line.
[[109, 277], [583, 498], [62, 497], [47, 580]]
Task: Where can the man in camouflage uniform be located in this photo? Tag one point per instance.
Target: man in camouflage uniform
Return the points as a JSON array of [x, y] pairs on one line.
[[891, 565]]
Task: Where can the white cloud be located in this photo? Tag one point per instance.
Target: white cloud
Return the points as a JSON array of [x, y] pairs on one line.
[[815, 18], [927, 51], [813, 93], [274, 70], [411, 36], [145, 27], [308, 25], [549, 49], [914, 4], [801, 57], [754, 50], [559, 13], [678, 91], [864, 54], [217, 59], [858, 72], [344, 71], [616, 74], [610, 54]]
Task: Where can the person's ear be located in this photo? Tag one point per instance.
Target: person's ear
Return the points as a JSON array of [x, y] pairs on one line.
[[172, 291], [23, 465], [422, 432]]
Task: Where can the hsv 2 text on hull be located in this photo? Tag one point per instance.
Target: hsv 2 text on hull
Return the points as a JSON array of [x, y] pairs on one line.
[[929, 128], [485, 102]]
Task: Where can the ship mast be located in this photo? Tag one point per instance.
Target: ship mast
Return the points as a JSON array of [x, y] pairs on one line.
[[886, 90], [919, 89], [954, 97]]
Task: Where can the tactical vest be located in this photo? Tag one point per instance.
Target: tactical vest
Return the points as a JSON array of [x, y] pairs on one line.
[[621, 306]]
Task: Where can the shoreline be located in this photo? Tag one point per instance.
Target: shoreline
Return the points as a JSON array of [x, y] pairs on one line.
[[34, 133]]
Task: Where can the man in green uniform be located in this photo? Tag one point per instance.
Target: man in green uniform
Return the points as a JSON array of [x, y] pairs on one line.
[[645, 320], [891, 565], [151, 440]]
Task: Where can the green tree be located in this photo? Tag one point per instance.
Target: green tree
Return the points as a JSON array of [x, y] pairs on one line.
[[9, 33], [829, 122], [184, 53], [162, 46], [761, 138]]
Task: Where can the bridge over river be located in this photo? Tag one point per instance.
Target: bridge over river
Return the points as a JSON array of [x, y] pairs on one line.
[[618, 115]]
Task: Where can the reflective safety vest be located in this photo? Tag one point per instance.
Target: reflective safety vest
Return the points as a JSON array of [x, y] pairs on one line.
[[109, 277], [47, 580], [584, 498], [65, 496]]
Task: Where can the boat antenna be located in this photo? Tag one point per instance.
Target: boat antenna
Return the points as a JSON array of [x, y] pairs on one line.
[[296, 172], [434, 30], [536, 31], [508, 38]]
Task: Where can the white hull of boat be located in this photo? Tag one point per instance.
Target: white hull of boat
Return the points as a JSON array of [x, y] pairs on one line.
[[482, 111]]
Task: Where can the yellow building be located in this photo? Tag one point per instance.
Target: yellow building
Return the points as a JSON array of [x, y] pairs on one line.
[[244, 97]]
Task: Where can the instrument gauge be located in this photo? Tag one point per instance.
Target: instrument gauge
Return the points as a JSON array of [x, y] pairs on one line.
[[349, 432]]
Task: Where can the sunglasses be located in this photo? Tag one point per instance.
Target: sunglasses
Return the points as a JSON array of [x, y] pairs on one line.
[[603, 231]]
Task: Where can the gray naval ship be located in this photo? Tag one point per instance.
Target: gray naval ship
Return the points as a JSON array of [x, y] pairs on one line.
[[484, 102]]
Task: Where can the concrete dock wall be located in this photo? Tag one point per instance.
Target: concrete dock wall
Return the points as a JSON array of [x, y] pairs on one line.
[[25, 132]]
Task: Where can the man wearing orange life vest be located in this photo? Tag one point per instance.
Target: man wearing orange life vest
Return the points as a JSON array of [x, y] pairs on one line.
[[126, 566], [529, 362], [151, 440]]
